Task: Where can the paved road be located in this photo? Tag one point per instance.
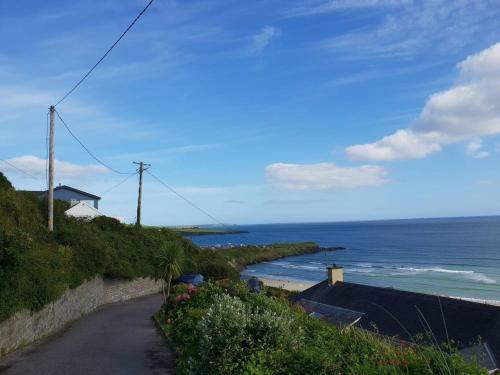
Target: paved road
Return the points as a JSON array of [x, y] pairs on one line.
[[116, 339]]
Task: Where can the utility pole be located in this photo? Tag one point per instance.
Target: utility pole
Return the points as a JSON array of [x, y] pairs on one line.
[[51, 170], [142, 167]]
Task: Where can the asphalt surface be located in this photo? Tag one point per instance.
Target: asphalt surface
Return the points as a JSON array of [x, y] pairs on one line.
[[116, 339]]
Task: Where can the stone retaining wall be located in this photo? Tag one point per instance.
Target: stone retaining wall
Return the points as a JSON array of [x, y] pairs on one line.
[[25, 327]]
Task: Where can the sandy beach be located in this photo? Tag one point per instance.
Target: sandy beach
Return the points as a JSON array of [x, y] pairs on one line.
[[298, 286], [295, 286]]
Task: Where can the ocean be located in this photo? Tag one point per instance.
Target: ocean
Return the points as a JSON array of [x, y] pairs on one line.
[[458, 257]]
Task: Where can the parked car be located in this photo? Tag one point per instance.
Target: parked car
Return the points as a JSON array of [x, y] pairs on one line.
[[195, 279]]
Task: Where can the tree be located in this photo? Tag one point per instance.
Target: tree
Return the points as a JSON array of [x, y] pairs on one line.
[[168, 264]]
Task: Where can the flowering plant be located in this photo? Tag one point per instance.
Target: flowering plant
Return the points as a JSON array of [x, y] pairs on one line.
[[191, 289], [182, 297]]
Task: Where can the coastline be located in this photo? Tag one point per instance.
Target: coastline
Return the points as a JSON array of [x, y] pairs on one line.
[[299, 286], [290, 285]]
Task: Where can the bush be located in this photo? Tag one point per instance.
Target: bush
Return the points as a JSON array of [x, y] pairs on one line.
[[36, 266], [224, 340], [224, 329]]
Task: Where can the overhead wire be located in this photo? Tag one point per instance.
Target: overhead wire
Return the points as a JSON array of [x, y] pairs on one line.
[[105, 54], [187, 200], [20, 170], [87, 150], [118, 184]]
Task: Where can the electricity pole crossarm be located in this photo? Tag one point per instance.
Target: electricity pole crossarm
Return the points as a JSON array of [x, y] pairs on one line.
[[142, 167]]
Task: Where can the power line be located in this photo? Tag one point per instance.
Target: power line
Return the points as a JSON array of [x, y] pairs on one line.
[[87, 150], [106, 54], [187, 200], [20, 170], [118, 184]]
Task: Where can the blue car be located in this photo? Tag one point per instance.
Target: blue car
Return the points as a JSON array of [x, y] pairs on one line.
[[195, 279]]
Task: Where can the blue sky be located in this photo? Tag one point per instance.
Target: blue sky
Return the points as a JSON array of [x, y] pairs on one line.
[[261, 111]]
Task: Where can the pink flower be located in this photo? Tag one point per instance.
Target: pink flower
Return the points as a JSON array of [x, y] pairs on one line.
[[191, 289], [182, 297]]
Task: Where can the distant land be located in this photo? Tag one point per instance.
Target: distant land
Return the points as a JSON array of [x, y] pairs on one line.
[[197, 231]]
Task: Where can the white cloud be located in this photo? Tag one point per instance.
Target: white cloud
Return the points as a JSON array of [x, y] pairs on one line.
[[482, 155], [16, 97], [475, 149], [36, 167], [262, 39], [438, 26], [323, 176], [467, 111], [474, 146], [403, 144], [310, 8]]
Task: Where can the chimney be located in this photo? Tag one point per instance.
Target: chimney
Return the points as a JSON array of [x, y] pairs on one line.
[[335, 273]]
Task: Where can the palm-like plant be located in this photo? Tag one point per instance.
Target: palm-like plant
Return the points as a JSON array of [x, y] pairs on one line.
[[168, 264]]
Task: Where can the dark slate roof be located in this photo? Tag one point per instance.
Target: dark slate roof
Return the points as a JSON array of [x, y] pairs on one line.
[[333, 314], [66, 187], [395, 313]]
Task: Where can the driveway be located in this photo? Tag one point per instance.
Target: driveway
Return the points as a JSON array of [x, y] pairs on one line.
[[116, 339]]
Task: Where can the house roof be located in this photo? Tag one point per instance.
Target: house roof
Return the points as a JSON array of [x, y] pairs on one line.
[[403, 314], [82, 209], [63, 187], [334, 314], [66, 187]]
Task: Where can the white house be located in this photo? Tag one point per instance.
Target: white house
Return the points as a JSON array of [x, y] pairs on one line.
[[84, 211]]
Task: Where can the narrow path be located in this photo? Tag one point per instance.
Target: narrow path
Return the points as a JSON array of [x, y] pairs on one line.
[[115, 339]]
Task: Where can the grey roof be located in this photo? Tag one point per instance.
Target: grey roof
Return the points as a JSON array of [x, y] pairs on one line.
[[403, 315], [334, 314], [62, 187], [66, 187]]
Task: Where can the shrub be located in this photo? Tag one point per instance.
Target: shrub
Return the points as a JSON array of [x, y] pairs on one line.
[[36, 266], [224, 329], [224, 339]]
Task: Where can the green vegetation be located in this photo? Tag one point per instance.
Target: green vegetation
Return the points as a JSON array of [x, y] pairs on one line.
[[168, 265], [196, 231], [223, 329], [36, 266], [239, 257]]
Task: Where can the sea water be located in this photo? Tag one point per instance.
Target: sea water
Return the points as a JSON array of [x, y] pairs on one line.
[[458, 257]]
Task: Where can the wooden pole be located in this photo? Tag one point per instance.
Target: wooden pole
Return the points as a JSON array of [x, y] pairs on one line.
[[139, 198], [51, 171]]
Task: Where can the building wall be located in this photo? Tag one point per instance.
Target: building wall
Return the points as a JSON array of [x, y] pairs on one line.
[[25, 327], [68, 196]]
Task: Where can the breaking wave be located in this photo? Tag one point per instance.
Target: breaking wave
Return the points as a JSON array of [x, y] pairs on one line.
[[472, 275]]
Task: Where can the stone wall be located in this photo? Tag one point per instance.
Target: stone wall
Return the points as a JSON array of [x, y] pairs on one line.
[[119, 290], [25, 327]]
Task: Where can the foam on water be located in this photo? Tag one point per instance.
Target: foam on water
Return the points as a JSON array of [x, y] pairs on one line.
[[457, 256]]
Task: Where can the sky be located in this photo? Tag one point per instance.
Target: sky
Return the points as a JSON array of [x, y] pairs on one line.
[[260, 111]]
